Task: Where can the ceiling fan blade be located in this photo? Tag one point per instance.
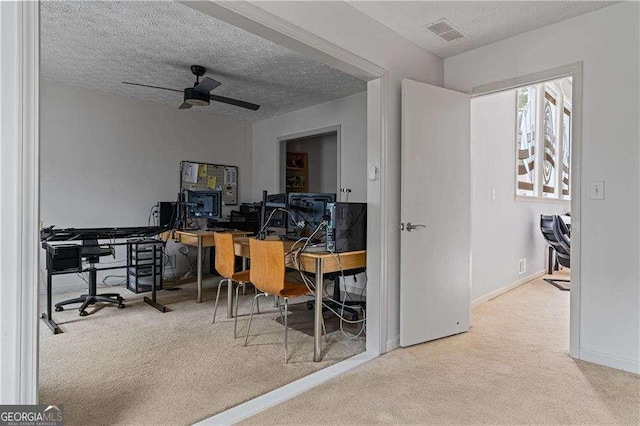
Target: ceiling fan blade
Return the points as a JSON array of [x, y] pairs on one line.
[[206, 85], [235, 102], [153, 87], [185, 105]]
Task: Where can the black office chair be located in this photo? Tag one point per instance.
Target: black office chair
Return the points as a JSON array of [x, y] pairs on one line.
[[556, 233], [92, 251]]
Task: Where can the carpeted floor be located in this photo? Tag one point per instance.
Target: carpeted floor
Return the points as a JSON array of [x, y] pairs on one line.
[[137, 366], [513, 367]]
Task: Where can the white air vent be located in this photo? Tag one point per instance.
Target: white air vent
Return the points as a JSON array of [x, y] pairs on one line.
[[445, 30]]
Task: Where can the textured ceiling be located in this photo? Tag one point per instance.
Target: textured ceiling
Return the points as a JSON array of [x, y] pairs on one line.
[[100, 44], [483, 22]]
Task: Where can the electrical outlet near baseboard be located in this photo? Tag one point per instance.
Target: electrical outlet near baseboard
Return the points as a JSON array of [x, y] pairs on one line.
[[522, 266]]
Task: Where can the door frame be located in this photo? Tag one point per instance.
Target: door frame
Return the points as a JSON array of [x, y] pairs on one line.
[[19, 385], [282, 147], [19, 201], [573, 70]]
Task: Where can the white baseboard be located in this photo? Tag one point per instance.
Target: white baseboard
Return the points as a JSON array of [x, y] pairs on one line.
[[393, 343], [619, 363], [286, 392], [482, 299]]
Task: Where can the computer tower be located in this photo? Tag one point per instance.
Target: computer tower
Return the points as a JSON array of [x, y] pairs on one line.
[[347, 227], [167, 214]]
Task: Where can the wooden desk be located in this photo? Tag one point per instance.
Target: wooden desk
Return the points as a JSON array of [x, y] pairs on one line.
[[202, 239], [317, 263]]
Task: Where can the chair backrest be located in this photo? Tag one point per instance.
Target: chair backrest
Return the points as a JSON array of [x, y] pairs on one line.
[[555, 232], [267, 265], [225, 254]]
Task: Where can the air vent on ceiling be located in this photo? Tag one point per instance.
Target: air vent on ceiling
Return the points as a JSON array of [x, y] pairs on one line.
[[445, 30]]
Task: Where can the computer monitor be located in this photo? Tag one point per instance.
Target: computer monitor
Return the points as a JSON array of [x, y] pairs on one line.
[[310, 207], [204, 204], [278, 218]]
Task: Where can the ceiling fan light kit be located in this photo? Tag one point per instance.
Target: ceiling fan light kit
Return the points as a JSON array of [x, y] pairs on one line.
[[199, 95], [196, 98]]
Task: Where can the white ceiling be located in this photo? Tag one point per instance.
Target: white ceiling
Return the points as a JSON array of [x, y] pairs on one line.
[[483, 22], [100, 44]]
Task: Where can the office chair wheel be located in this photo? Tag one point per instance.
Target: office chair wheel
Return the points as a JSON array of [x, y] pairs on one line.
[[83, 313], [59, 309], [121, 306]]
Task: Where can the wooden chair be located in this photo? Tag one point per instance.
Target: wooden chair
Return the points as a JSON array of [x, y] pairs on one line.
[[226, 265], [268, 275]]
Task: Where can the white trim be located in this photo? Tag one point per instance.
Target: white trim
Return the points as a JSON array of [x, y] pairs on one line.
[[282, 147], [573, 70], [499, 292], [393, 343], [252, 18], [596, 357], [527, 80], [19, 210], [541, 199], [286, 392]]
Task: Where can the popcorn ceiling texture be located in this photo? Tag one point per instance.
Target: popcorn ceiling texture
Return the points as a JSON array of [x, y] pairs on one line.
[[100, 44]]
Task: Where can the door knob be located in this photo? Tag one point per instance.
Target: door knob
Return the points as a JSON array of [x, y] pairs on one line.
[[410, 226]]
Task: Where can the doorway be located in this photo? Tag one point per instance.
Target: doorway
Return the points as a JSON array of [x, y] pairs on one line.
[[310, 161], [555, 99], [447, 151], [521, 167]]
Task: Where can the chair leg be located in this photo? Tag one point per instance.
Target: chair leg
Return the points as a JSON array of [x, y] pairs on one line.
[[215, 306], [257, 301], [324, 331], [253, 305], [286, 328], [235, 318], [280, 310]]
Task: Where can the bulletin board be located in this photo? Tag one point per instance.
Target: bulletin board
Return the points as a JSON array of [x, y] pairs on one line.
[[195, 176]]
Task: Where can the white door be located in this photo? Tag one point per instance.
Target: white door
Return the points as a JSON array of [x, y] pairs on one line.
[[435, 274]]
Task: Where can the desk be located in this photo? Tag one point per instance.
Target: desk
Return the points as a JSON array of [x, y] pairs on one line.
[[202, 239], [318, 263]]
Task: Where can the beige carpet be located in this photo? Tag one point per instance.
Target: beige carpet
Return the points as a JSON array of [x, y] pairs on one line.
[[137, 366], [513, 367]]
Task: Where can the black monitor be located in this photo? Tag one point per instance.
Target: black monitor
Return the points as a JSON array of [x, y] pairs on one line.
[[278, 218], [310, 207], [204, 204]]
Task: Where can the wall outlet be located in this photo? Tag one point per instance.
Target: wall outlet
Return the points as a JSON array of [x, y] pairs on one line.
[[522, 266], [493, 194]]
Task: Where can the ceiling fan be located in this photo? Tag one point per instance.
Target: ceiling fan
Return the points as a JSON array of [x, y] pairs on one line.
[[199, 95]]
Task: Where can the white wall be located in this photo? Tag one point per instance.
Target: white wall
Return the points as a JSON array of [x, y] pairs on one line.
[[503, 230], [350, 29], [106, 160], [322, 161], [350, 113], [608, 42]]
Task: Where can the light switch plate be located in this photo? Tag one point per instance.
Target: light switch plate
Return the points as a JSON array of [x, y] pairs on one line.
[[372, 173], [596, 190]]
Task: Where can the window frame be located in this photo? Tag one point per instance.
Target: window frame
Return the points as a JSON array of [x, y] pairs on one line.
[[555, 89]]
